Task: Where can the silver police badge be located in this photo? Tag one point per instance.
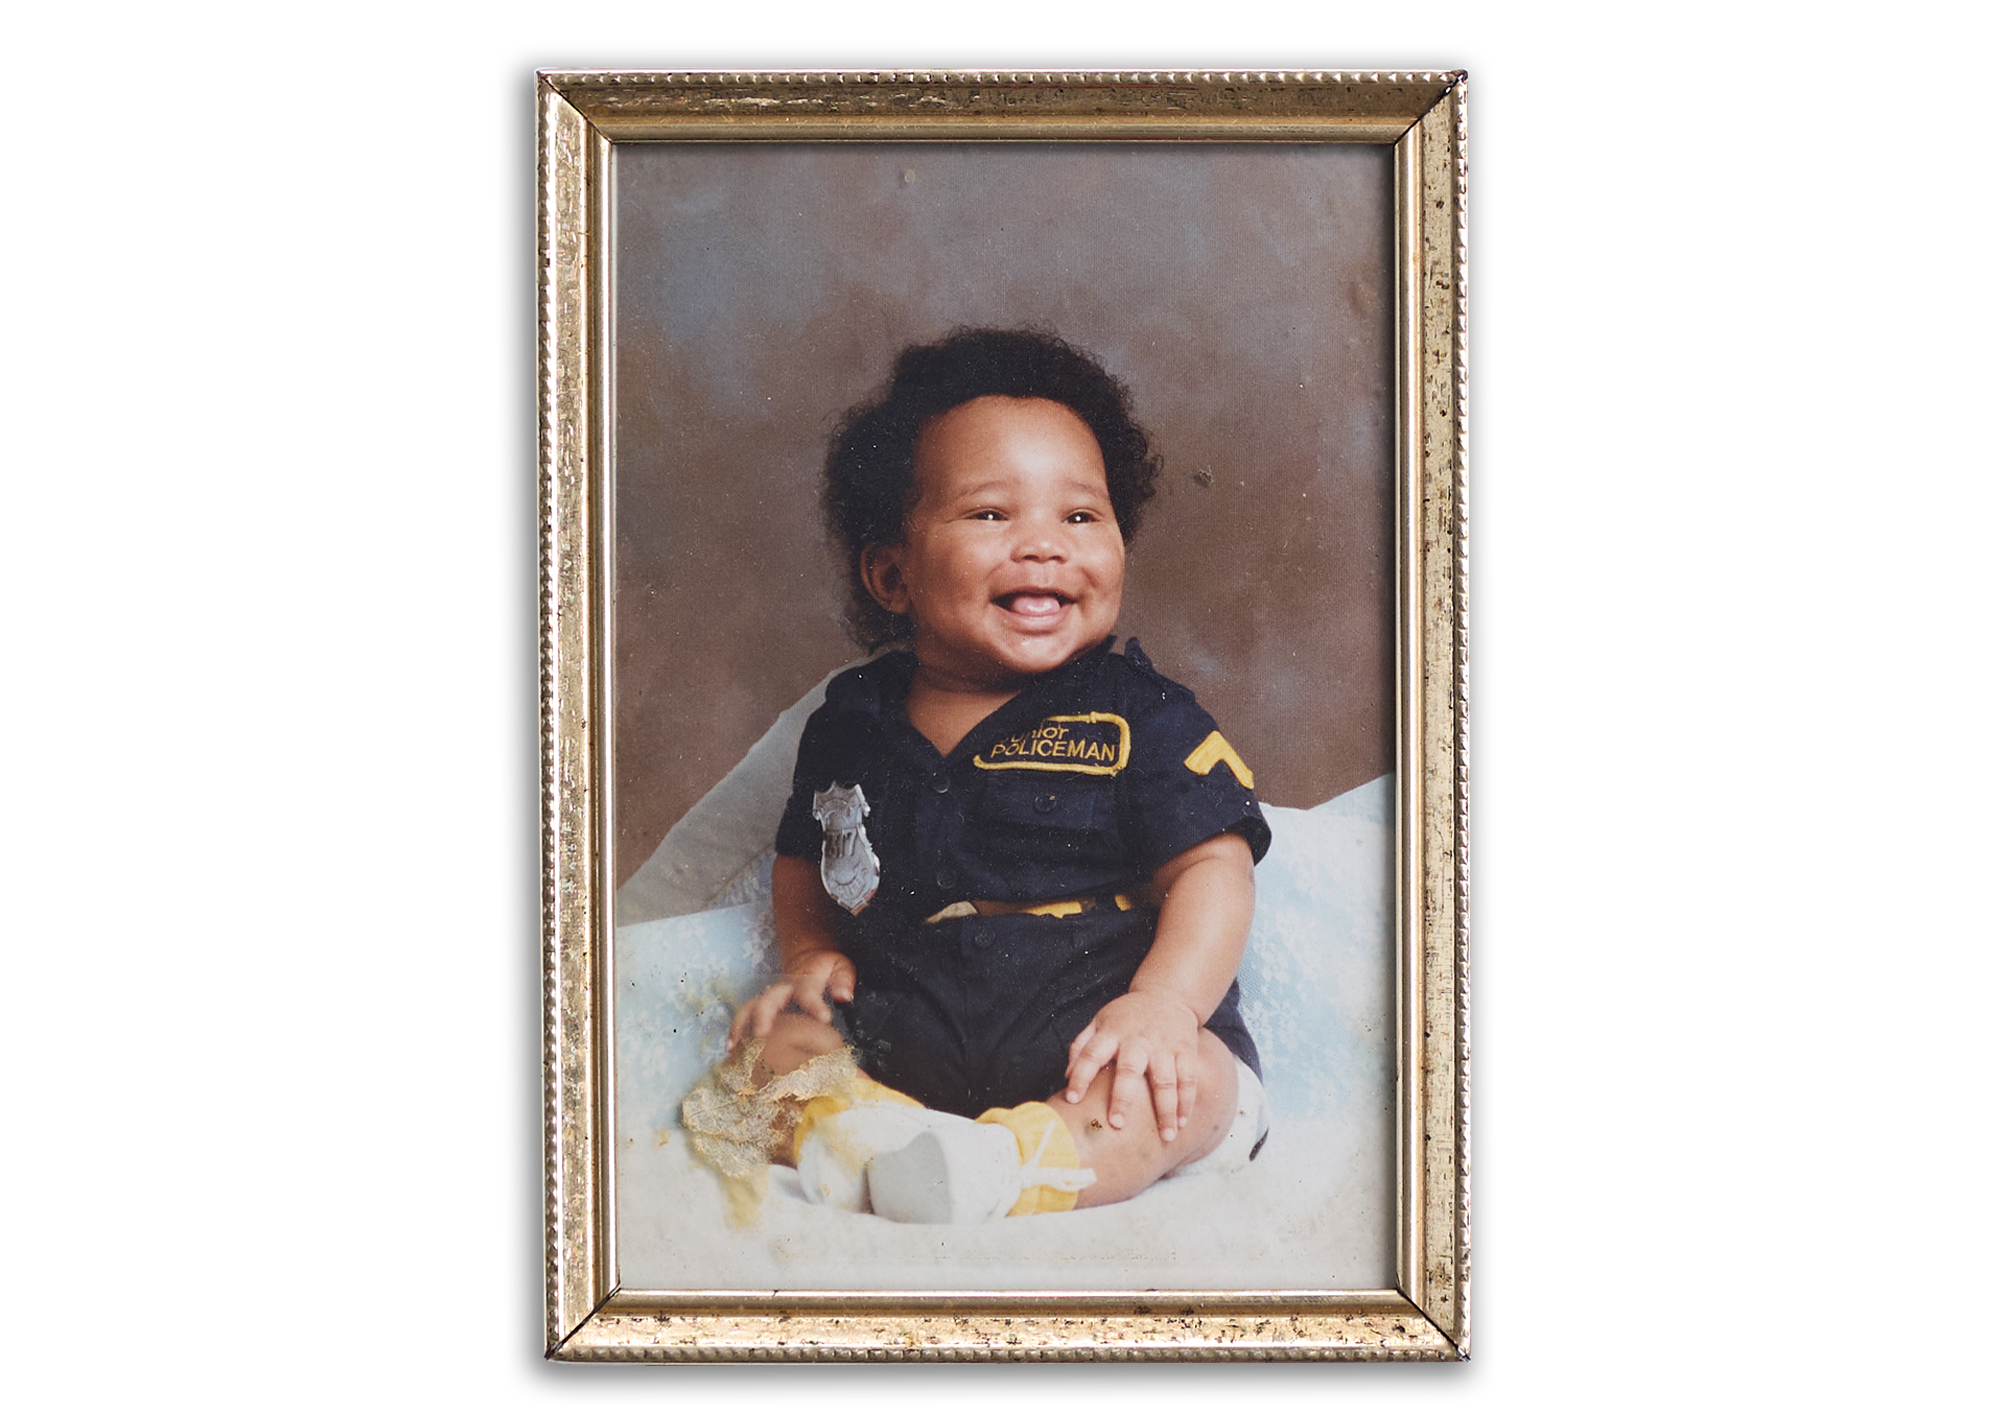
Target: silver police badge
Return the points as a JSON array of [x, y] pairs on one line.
[[847, 863]]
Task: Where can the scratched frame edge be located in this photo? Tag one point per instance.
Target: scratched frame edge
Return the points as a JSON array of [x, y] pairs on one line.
[[1421, 116]]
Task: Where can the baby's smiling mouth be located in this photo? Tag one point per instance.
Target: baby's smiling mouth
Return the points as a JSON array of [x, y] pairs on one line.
[[1033, 603]]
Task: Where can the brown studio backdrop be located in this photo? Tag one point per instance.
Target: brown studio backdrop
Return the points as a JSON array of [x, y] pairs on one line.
[[1242, 291]]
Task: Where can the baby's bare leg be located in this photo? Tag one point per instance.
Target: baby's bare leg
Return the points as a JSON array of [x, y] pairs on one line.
[[1130, 1158], [795, 1040]]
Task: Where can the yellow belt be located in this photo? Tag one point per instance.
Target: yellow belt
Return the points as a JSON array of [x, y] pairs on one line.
[[1053, 908]]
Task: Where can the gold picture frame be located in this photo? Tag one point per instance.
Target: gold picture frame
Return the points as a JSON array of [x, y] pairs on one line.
[[583, 116]]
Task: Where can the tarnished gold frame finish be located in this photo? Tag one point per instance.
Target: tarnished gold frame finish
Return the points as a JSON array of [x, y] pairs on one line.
[[582, 114]]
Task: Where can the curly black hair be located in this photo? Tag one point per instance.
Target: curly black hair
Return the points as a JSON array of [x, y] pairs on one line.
[[869, 483]]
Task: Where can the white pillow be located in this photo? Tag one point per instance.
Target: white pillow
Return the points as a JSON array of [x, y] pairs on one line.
[[718, 842]]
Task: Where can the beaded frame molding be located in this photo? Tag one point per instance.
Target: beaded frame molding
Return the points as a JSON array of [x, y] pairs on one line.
[[582, 116]]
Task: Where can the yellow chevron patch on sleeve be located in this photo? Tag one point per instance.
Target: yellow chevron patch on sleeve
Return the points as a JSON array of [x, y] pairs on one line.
[[1216, 749]]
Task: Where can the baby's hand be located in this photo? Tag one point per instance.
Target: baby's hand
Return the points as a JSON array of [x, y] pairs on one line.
[[1153, 1036], [816, 976]]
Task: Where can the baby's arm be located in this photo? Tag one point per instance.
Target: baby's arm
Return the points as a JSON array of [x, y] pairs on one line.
[[808, 953], [1153, 1032]]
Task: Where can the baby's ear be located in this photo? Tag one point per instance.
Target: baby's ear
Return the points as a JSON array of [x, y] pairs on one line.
[[882, 573]]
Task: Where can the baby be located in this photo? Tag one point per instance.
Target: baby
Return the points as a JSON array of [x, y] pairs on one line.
[[1014, 875]]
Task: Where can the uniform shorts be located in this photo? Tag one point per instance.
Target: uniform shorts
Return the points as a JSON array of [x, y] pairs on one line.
[[974, 1013]]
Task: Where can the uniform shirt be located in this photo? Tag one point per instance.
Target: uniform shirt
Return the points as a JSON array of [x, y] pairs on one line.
[[1079, 788], [1090, 779]]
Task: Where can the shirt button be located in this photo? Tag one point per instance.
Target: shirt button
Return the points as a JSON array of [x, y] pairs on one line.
[[941, 782], [1045, 803], [982, 938], [946, 878]]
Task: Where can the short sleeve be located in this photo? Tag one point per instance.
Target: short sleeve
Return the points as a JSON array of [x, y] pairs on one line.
[[798, 832], [1185, 783]]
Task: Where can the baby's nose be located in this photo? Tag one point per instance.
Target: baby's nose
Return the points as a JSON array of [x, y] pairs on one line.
[[1038, 539]]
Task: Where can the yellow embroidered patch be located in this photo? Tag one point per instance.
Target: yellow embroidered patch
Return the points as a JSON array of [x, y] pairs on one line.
[[1097, 743], [1204, 758]]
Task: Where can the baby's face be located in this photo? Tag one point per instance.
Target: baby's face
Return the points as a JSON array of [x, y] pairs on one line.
[[1011, 562]]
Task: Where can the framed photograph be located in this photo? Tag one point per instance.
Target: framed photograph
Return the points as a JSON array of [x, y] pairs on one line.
[[746, 279]]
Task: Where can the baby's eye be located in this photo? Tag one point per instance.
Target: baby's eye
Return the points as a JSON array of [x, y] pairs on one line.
[[992, 515], [1082, 516]]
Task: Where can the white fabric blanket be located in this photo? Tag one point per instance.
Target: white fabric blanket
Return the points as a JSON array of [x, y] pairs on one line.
[[1313, 1211]]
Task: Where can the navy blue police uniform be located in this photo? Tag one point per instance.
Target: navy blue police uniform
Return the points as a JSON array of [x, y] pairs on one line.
[[1066, 799]]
